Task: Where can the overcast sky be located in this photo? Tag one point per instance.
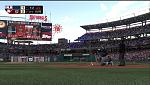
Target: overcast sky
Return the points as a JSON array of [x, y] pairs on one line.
[[71, 15]]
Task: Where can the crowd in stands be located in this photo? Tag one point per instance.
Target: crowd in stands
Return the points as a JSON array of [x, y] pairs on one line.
[[106, 44], [110, 44], [10, 49], [142, 55], [115, 33], [29, 47], [131, 55]]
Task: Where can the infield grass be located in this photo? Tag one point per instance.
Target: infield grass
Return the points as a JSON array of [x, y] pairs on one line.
[[40, 74]]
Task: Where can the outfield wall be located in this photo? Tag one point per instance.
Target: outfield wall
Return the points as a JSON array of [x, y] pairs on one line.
[[59, 58], [33, 59]]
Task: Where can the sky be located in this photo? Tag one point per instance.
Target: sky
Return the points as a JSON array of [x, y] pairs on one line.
[[73, 14]]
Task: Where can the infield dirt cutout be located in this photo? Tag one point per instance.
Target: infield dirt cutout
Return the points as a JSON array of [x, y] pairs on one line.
[[95, 66], [83, 65]]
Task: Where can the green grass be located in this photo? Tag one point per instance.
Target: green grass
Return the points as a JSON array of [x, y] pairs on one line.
[[38, 74]]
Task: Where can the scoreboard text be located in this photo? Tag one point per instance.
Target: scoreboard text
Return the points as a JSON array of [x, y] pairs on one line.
[[24, 9]]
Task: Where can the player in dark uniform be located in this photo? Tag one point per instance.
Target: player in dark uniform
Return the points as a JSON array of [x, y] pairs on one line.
[[109, 60], [98, 56], [103, 54]]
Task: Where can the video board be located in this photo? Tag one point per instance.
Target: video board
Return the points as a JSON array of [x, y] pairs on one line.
[[46, 31], [24, 30], [3, 29]]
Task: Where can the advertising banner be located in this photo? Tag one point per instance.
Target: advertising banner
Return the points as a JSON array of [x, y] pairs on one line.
[[46, 31]]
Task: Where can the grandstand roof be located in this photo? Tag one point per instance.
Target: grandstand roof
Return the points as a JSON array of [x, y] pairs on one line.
[[130, 20]]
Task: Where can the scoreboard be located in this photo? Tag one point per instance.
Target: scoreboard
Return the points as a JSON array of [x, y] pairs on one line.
[[24, 9], [24, 30]]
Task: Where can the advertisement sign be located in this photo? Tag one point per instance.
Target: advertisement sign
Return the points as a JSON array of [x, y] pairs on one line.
[[46, 31], [35, 17], [30, 59]]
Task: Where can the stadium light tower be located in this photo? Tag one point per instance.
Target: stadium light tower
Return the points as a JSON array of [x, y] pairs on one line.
[[133, 14], [149, 6]]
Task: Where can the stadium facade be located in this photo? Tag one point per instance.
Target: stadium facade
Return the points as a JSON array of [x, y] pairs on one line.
[[135, 30]]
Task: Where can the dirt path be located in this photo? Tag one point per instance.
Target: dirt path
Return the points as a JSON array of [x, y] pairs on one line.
[[87, 65], [95, 66]]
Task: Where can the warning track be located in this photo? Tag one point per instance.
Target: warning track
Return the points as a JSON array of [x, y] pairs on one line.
[[94, 66]]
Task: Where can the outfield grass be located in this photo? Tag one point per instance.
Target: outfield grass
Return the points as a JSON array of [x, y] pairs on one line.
[[38, 74]]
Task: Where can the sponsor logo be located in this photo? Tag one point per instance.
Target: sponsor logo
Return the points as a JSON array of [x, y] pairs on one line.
[[45, 36], [34, 17]]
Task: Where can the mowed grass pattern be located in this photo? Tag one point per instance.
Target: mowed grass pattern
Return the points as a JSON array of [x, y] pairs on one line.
[[39, 74]]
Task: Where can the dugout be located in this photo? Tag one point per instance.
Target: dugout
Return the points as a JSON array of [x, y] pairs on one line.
[[77, 58], [76, 55]]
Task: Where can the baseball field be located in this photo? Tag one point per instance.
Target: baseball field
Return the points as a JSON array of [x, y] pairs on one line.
[[72, 74]]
